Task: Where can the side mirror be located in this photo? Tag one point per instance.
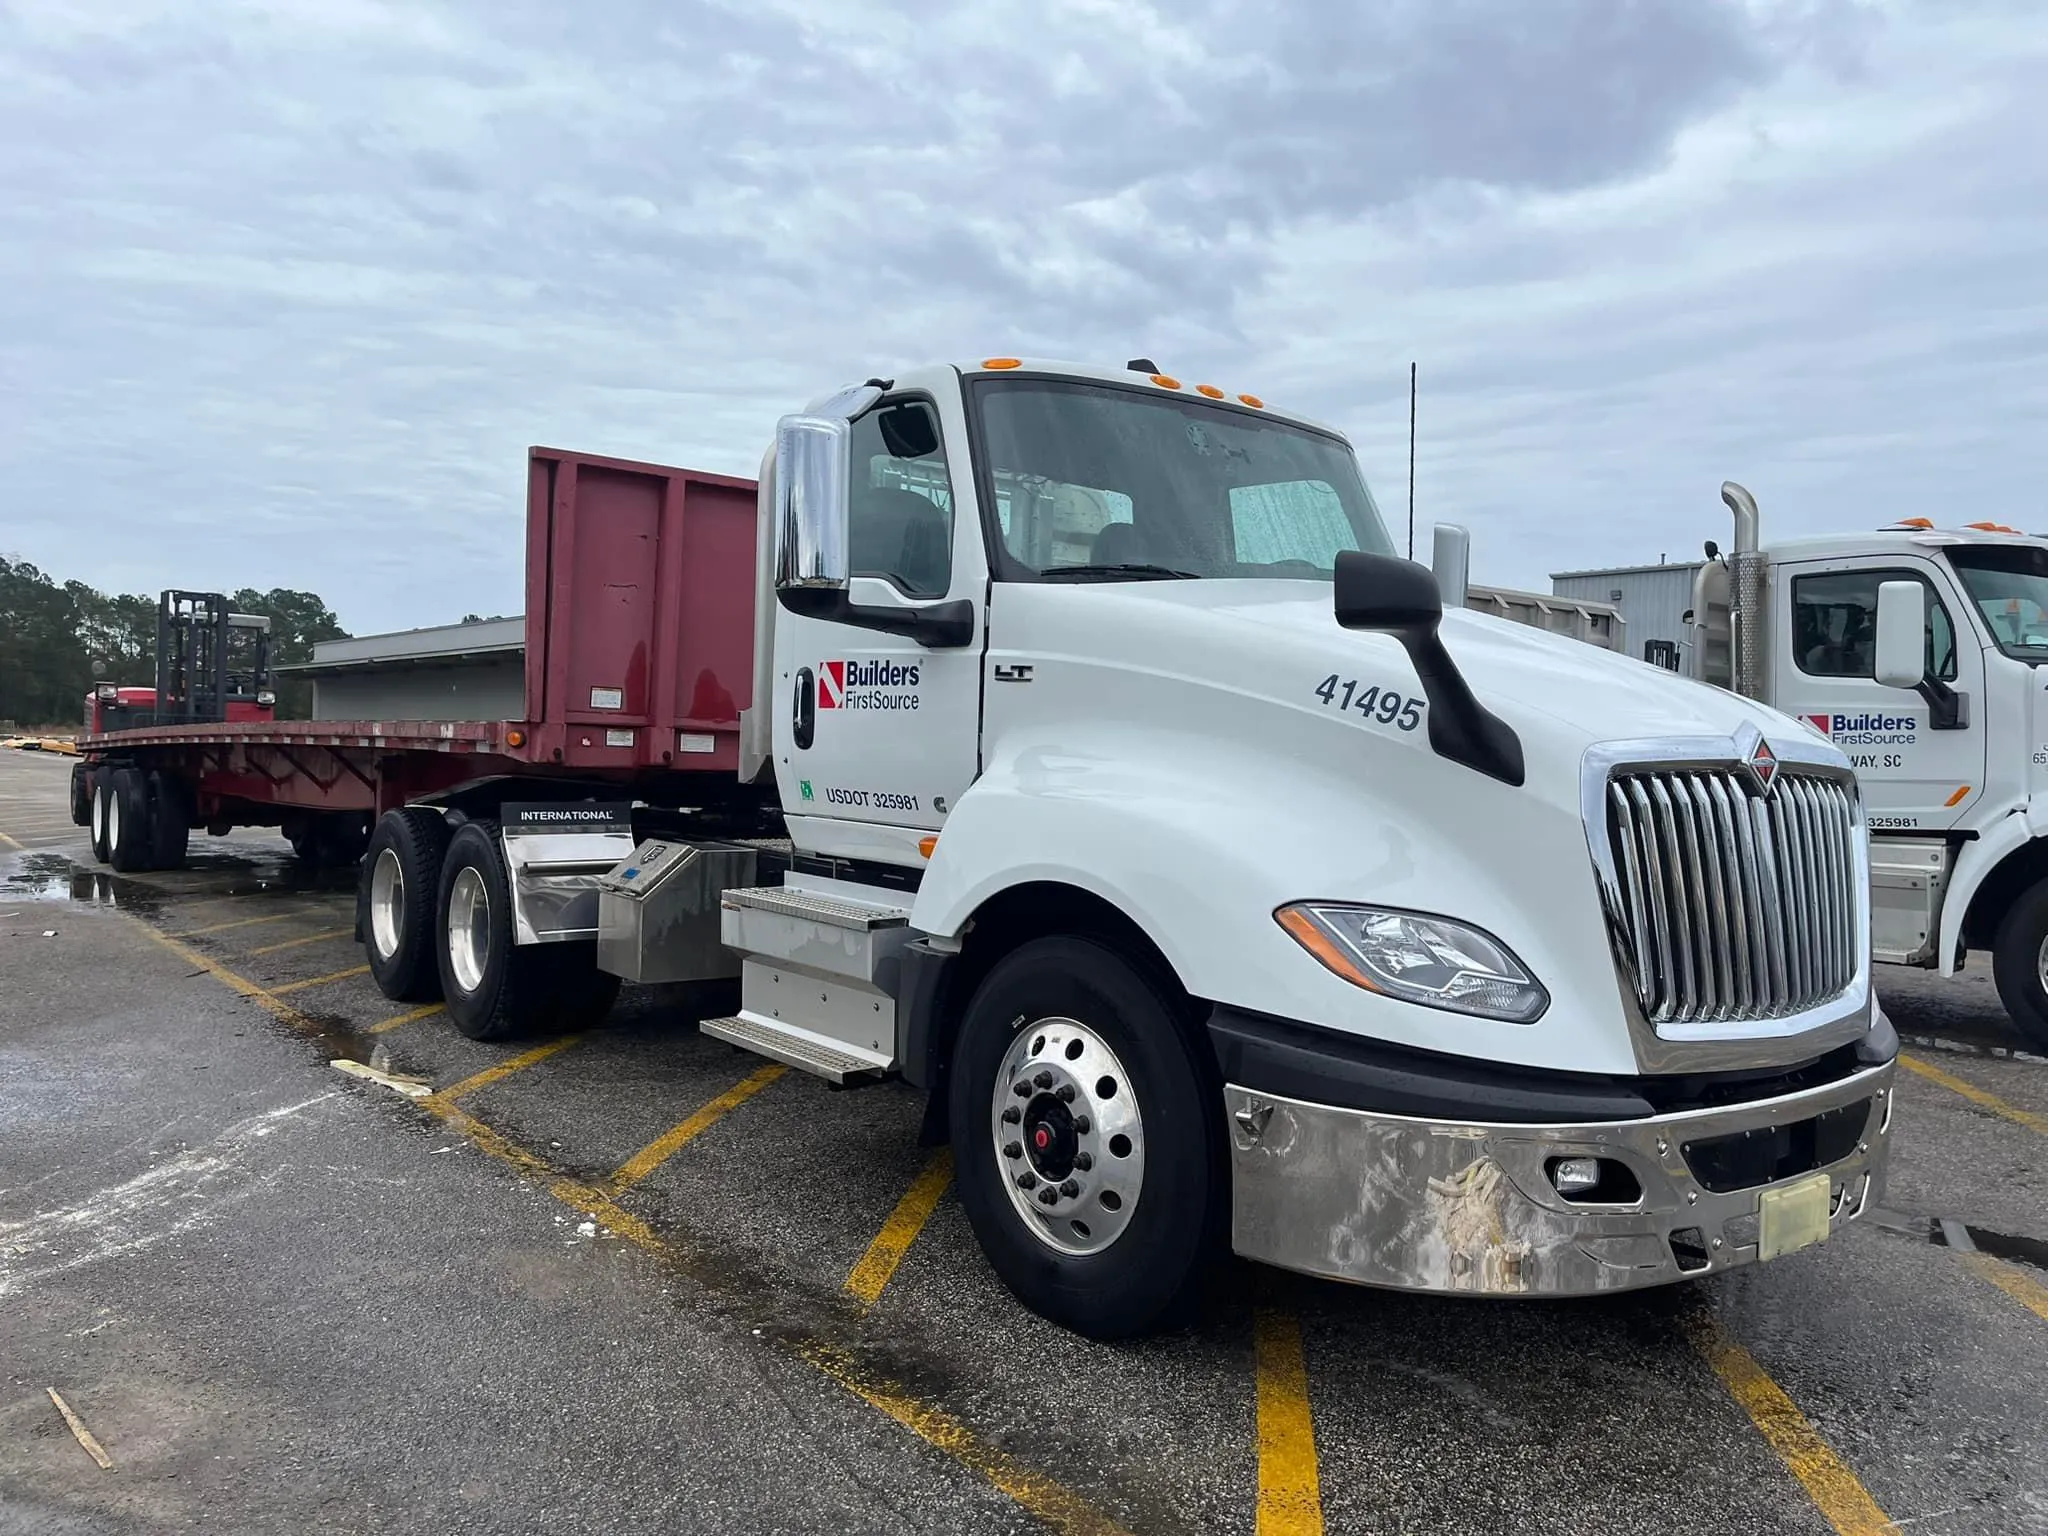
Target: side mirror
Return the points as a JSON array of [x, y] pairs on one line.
[[1400, 598], [1901, 634], [813, 470]]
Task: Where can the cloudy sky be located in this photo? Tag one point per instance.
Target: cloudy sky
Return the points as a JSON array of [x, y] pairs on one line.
[[287, 287]]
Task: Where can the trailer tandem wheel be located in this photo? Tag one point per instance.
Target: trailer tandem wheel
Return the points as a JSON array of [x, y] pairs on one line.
[[396, 903], [170, 821], [102, 781], [130, 828], [81, 794]]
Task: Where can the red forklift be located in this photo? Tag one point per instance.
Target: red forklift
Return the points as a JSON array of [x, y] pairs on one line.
[[212, 668]]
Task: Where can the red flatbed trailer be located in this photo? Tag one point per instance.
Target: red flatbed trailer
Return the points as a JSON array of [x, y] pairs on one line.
[[638, 660]]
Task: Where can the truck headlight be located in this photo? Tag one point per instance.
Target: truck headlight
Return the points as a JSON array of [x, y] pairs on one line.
[[265, 697], [1419, 959]]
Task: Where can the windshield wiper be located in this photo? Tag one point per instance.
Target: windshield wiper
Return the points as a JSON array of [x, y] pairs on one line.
[[1135, 569]]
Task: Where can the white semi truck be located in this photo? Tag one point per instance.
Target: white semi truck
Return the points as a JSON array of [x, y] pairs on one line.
[[1918, 651], [1082, 755]]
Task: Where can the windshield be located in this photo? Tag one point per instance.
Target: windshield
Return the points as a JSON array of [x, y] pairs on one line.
[[2009, 585], [1097, 482]]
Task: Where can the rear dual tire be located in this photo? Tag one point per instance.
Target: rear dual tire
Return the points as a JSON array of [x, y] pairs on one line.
[[434, 913], [494, 988]]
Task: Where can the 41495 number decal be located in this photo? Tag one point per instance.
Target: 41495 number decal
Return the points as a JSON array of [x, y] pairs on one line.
[[1375, 702]]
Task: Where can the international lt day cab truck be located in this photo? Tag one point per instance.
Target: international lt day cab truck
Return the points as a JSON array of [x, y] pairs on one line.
[[1917, 651], [1069, 743]]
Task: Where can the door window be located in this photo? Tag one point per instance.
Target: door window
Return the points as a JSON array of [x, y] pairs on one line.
[[1834, 624], [900, 505]]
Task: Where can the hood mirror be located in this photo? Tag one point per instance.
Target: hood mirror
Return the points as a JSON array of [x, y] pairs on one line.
[[1392, 596]]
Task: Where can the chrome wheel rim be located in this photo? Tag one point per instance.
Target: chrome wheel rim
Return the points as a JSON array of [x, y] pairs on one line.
[[387, 903], [2041, 965], [113, 803], [469, 929], [1069, 1136], [99, 813]]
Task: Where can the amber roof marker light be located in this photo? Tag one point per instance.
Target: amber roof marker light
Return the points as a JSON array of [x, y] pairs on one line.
[[1002, 362]]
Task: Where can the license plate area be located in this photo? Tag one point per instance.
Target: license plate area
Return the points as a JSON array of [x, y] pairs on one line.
[[1794, 1216]]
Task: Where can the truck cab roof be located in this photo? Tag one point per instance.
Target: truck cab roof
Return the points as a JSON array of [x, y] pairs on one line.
[[1898, 539]]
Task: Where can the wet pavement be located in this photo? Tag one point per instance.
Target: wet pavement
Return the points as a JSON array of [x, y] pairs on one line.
[[639, 1282]]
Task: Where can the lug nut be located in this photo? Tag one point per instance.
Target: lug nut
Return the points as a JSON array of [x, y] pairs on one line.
[[1011, 1149], [1044, 1079], [1071, 1188], [1082, 1125], [1048, 1196], [1027, 1180], [1023, 1090], [1083, 1161], [1012, 1115], [1066, 1093]]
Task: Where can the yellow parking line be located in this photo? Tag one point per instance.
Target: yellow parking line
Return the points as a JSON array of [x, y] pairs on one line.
[[1290, 1487], [871, 1275], [240, 922], [672, 1141], [411, 1017], [311, 938], [1036, 1494], [10, 842], [1058, 1507], [1975, 1095], [1834, 1489], [320, 981], [2015, 1282], [506, 1068]]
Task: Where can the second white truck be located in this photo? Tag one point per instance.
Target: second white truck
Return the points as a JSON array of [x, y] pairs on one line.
[[1918, 651]]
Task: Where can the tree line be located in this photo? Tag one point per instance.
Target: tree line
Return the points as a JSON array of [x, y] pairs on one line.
[[58, 640]]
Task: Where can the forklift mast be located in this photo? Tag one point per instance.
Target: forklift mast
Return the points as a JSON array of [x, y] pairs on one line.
[[211, 665]]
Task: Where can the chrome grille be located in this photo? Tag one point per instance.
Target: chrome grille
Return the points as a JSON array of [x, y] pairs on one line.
[[1734, 906]]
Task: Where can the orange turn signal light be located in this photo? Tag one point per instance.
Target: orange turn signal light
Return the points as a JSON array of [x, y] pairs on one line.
[[1002, 362], [927, 843], [515, 738], [1310, 936]]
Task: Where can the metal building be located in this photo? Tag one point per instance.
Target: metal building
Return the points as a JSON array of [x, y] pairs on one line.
[[1652, 599], [449, 672]]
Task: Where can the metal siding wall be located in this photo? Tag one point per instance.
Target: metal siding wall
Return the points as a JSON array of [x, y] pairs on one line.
[[1652, 602], [493, 692]]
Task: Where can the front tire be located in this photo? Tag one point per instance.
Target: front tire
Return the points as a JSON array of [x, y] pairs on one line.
[[396, 903], [2019, 964], [1075, 1075], [494, 988]]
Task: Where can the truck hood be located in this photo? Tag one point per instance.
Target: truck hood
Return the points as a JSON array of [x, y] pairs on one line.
[[1570, 692]]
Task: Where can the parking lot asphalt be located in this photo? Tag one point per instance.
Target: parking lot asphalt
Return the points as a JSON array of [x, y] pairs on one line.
[[640, 1280]]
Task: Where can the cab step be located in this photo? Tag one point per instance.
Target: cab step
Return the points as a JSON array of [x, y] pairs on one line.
[[832, 1060]]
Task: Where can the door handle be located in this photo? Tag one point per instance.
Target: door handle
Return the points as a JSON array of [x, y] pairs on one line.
[[804, 718]]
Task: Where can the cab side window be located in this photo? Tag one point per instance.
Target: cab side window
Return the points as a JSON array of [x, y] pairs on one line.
[[900, 505], [1834, 625]]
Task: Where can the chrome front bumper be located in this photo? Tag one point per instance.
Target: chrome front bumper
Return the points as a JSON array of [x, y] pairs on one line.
[[1433, 1205]]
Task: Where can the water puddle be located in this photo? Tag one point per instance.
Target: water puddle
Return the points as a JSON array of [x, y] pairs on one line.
[[54, 878], [1947, 1232]]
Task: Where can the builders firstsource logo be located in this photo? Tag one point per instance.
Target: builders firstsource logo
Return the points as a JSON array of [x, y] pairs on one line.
[[869, 685], [1867, 729]]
